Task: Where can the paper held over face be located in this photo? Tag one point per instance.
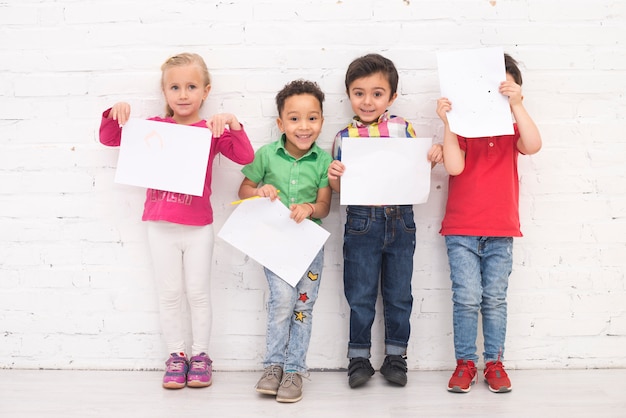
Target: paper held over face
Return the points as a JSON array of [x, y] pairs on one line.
[[385, 171], [164, 156], [263, 230], [471, 79]]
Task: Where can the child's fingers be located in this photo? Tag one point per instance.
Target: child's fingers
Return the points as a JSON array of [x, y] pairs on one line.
[[297, 214], [120, 112], [216, 125], [268, 191]]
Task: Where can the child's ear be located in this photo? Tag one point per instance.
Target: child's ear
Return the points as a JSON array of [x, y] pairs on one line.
[[207, 89], [393, 98], [279, 123]]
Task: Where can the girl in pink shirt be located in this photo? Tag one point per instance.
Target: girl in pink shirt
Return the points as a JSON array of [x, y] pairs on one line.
[[180, 227]]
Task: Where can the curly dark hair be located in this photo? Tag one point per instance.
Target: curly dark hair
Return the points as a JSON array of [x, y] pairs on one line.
[[295, 88]]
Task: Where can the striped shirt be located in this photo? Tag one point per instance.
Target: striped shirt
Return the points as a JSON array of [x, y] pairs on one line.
[[387, 126]]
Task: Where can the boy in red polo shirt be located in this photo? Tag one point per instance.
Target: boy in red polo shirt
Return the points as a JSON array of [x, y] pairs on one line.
[[481, 219]]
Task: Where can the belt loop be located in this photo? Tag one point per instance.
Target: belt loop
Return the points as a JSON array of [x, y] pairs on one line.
[[372, 212]]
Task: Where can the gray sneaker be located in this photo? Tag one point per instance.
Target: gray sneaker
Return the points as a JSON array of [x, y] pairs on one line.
[[290, 389], [270, 381]]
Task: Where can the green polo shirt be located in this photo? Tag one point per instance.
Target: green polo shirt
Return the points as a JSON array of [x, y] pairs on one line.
[[297, 179]]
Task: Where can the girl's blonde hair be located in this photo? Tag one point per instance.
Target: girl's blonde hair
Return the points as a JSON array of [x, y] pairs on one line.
[[185, 58]]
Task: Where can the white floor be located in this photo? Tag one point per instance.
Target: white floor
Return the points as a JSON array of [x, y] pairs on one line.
[[112, 394]]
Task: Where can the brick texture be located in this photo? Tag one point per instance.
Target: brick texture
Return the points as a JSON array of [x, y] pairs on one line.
[[76, 288]]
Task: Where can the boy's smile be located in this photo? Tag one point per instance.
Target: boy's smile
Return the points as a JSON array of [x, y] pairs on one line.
[[301, 121]]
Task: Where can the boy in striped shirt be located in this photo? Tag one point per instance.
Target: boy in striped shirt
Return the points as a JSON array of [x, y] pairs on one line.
[[379, 241]]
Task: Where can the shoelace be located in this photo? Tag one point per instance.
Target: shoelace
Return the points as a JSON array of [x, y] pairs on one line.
[[462, 369], [199, 365], [497, 366], [272, 372], [289, 378], [176, 366]]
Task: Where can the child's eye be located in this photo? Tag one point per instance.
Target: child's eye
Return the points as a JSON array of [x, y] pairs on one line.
[[358, 94], [293, 119], [174, 87], [313, 118], [378, 94], [192, 87]]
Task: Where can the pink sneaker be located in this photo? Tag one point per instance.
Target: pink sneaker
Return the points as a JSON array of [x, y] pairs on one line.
[[200, 371], [176, 371]]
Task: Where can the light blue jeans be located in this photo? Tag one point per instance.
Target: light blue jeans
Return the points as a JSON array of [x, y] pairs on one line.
[[479, 269], [290, 316]]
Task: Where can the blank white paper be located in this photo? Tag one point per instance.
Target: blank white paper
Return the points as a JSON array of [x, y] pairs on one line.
[[385, 171]]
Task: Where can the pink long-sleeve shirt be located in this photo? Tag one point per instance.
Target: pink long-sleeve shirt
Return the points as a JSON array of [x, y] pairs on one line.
[[178, 207]]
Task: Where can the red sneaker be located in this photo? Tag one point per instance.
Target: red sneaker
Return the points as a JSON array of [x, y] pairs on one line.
[[463, 377], [496, 377]]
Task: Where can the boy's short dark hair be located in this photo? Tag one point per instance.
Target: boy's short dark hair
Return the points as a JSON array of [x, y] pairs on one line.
[[371, 64], [297, 87], [511, 67]]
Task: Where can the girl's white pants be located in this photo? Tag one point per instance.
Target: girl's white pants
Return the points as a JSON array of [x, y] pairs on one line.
[[182, 258]]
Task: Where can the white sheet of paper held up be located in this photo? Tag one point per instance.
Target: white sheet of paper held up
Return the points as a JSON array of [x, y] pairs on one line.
[[385, 171], [470, 79], [164, 156]]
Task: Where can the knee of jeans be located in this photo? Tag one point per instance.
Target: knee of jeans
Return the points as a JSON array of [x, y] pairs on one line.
[[493, 302], [280, 311], [304, 306], [470, 299]]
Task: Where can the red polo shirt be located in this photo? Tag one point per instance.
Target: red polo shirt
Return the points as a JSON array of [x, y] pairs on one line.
[[484, 199]]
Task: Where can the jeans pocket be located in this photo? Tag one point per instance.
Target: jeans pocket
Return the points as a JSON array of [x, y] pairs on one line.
[[357, 225], [408, 221]]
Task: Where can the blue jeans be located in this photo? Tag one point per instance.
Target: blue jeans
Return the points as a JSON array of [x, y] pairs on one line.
[[290, 316], [379, 243], [479, 270]]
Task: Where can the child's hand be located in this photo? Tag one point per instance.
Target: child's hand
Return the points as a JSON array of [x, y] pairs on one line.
[[217, 123], [120, 112], [443, 107], [512, 91], [299, 212], [435, 154], [336, 169], [267, 190]]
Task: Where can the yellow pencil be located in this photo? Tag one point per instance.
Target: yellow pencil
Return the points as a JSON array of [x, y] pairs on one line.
[[236, 202]]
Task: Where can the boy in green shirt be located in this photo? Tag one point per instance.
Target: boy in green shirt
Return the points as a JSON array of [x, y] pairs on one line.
[[297, 167]]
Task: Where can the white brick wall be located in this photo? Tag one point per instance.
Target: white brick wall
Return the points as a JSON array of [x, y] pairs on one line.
[[75, 281]]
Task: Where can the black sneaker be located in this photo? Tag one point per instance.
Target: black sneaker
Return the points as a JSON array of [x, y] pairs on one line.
[[359, 371], [394, 369]]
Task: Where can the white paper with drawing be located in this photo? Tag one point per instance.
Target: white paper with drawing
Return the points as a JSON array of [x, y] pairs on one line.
[[385, 171], [471, 79], [164, 156], [263, 230]]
